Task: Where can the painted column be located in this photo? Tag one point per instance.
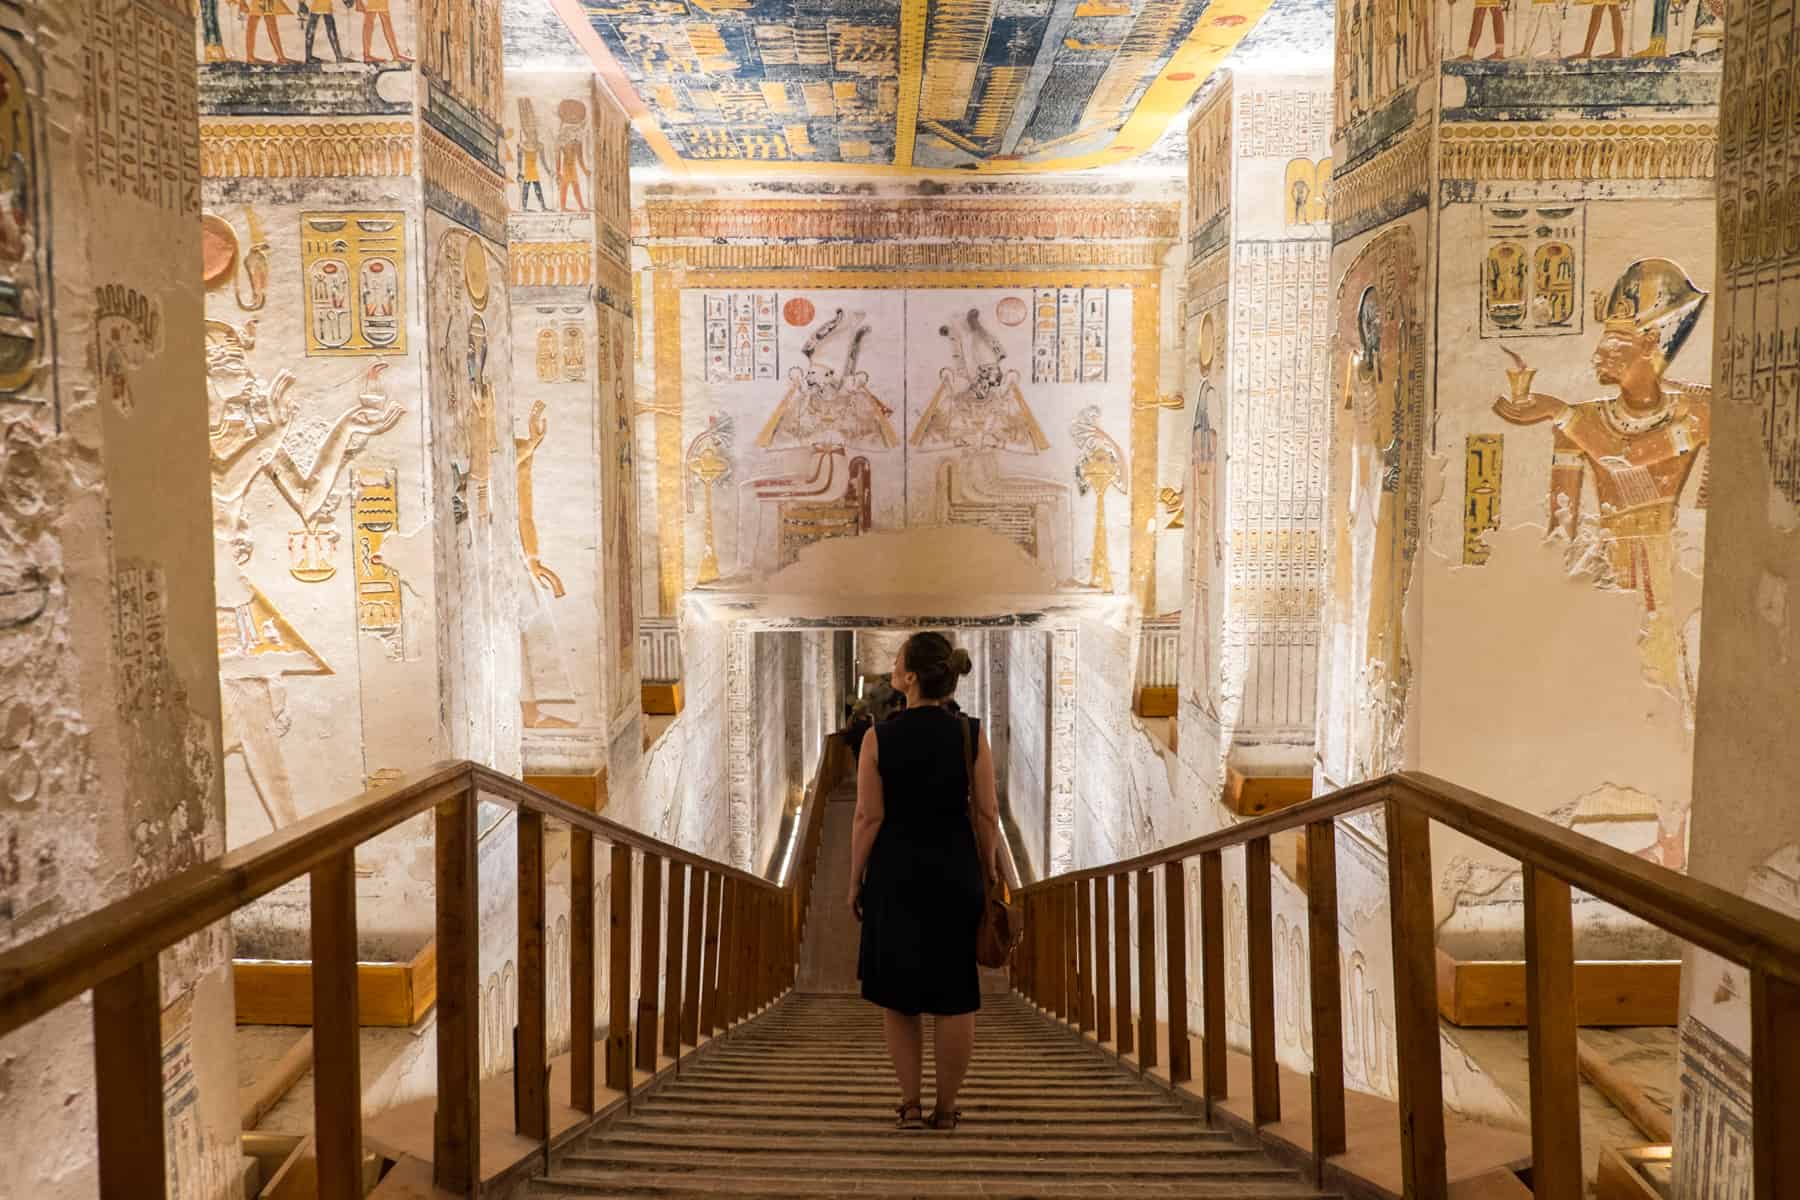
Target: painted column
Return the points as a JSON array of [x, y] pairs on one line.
[[111, 745], [1745, 829]]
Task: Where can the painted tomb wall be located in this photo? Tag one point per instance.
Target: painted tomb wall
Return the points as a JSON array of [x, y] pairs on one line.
[[1567, 461], [797, 404], [111, 752], [1745, 835]]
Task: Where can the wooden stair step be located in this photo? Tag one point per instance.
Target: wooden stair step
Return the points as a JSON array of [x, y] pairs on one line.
[[1017, 1131], [1208, 1142], [948, 1161], [651, 1183]]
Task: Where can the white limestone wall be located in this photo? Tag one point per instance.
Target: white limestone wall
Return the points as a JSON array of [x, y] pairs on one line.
[[1027, 759]]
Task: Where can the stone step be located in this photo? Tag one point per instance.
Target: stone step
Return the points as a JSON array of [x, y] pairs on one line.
[[676, 1100]]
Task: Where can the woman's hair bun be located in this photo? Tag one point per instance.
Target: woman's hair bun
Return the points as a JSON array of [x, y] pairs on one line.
[[936, 662]]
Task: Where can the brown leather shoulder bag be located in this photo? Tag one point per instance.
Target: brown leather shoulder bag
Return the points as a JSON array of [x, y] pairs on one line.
[[999, 933]]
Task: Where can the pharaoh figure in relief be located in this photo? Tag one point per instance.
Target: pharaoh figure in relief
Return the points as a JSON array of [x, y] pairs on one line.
[[260, 431], [1380, 350], [1640, 444]]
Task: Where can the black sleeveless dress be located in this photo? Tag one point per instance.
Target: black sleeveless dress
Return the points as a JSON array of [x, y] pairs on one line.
[[924, 888]]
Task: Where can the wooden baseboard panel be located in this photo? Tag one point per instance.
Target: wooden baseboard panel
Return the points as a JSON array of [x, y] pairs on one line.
[[1156, 701], [1254, 795], [663, 699], [389, 995], [1491, 995], [583, 791], [1622, 1172]]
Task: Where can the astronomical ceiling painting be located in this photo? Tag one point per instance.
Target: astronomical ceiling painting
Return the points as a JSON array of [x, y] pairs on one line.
[[1004, 86]]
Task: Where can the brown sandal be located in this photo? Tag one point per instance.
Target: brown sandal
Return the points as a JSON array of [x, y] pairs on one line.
[[943, 1120], [916, 1121]]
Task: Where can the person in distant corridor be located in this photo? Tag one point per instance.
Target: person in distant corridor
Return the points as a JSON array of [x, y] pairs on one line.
[[858, 724], [925, 844]]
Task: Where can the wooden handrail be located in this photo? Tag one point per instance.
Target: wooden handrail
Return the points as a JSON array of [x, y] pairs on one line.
[[1710, 917], [114, 952], [1056, 969]]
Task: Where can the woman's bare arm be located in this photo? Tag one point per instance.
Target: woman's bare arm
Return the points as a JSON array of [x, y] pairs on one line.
[[987, 809], [870, 811]]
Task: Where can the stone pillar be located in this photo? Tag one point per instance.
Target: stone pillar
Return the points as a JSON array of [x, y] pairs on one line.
[[358, 357], [568, 229], [1259, 155], [111, 750], [1745, 831]]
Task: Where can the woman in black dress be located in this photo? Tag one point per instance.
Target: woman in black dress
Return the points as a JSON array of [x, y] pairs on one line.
[[926, 838]]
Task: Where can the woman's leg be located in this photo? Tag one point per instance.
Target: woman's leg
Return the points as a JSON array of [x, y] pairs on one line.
[[952, 1045], [905, 1035]]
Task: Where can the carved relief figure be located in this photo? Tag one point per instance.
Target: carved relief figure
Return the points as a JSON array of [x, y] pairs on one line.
[[22, 275], [619, 502], [1550, 13], [264, 12], [1204, 544], [571, 153], [1603, 8], [1494, 10], [1380, 342], [1099, 469], [530, 159], [545, 681], [374, 12], [1639, 444], [828, 401], [259, 432], [313, 12], [978, 404]]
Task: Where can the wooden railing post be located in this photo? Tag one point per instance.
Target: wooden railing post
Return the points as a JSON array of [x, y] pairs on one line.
[[1329, 1135], [1556, 1170], [1126, 1040], [337, 1030], [710, 1019], [128, 1082], [730, 931], [1265, 1083], [649, 963], [1175, 918], [581, 970], [1146, 922], [1213, 1084], [696, 927], [1775, 1085], [618, 973], [1070, 954], [532, 1068], [677, 926], [456, 1161], [1422, 1155], [1084, 956], [1103, 1026]]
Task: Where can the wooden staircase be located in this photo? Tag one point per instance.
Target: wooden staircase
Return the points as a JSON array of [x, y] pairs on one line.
[[801, 1103]]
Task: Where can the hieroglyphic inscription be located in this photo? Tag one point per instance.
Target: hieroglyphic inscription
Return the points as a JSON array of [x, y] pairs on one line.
[[140, 637], [354, 269], [1069, 335], [1481, 494], [741, 337], [1758, 357], [377, 514], [1279, 413], [142, 99], [1062, 750]]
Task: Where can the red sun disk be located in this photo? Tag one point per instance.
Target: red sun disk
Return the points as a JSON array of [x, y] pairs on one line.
[[798, 311]]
